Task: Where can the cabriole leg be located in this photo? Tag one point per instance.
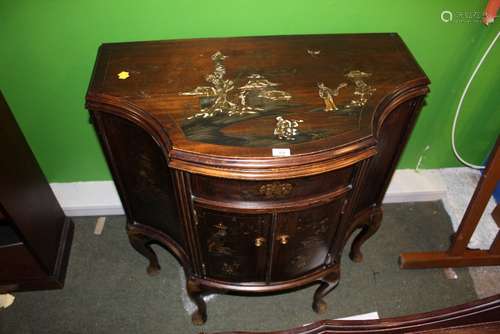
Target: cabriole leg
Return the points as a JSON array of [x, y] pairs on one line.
[[328, 283], [366, 232], [141, 243], [195, 293]]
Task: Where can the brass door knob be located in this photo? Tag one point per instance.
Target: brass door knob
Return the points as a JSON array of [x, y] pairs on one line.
[[259, 241], [283, 239]]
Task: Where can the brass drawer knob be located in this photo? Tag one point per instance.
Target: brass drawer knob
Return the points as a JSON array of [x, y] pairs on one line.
[[259, 241], [283, 239]]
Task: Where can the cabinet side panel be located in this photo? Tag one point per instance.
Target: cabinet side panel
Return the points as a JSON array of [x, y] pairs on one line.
[[141, 174], [25, 195], [391, 141]]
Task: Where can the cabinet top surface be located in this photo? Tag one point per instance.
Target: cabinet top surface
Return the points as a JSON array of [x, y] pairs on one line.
[[244, 97]]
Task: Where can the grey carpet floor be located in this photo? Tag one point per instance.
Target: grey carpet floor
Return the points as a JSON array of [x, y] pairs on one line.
[[108, 291]]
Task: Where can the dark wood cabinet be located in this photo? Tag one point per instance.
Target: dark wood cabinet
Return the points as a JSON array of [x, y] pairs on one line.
[[35, 235], [253, 160]]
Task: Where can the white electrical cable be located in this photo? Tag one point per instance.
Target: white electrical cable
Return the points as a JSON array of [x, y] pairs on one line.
[[460, 106]]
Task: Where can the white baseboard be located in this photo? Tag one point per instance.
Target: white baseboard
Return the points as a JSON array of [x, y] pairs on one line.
[[100, 198], [93, 198], [408, 185]]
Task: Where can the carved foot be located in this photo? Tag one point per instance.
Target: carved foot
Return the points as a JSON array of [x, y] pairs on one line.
[[356, 255], [153, 269], [327, 284], [320, 306], [367, 231], [141, 243], [199, 317]]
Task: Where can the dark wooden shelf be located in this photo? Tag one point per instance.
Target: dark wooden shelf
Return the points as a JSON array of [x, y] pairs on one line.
[[35, 235], [8, 234]]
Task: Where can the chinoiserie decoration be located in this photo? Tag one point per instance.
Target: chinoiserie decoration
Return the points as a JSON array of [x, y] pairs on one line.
[[276, 190], [223, 98], [217, 242], [362, 90], [286, 129], [313, 53], [327, 95], [230, 268]]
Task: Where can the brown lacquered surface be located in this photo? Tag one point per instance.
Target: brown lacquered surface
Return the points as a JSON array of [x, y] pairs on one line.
[[270, 191], [159, 71], [146, 177], [303, 240], [234, 245]]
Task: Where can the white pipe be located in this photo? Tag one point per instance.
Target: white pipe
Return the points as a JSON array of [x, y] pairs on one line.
[[455, 151]]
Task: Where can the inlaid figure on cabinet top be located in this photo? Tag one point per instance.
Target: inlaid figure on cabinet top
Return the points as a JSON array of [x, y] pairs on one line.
[[204, 167]]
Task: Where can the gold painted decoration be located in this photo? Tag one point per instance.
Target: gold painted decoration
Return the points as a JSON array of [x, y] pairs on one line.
[[299, 261], [222, 97], [226, 99], [313, 52], [221, 229], [217, 242], [361, 89], [230, 268], [123, 75], [275, 190], [218, 247], [286, 129], [327, 95]]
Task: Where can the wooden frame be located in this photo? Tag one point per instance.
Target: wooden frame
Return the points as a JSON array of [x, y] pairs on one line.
[[458, 255], [35, 234], [481, 316]]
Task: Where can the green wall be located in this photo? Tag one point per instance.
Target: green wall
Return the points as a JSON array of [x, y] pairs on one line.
[[48, 48]]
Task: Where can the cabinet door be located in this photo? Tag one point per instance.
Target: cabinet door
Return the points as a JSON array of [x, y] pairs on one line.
[[303, 239], [234, 245]]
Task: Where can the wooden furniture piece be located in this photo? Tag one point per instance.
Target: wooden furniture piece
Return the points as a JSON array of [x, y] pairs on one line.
[[458, 255], [253, 160], [35, 235], [478, 317]]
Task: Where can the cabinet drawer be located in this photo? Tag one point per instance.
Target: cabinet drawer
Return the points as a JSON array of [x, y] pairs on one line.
[[290, 189], [234, 245]]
